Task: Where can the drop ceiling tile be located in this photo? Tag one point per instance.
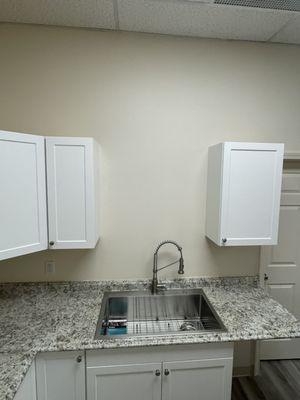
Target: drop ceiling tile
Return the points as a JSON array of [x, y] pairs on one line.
[[82, 13], [290, 33], [196, 19]]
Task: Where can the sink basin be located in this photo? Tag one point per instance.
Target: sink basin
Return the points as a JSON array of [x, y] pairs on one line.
[[141, 313]]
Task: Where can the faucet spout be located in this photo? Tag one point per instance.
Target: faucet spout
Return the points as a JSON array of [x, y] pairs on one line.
[[155, 285]]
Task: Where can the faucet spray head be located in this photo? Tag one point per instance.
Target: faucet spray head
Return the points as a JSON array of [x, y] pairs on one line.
[[181, 266]]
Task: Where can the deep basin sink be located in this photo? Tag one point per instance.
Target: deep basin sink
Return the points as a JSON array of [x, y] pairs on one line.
[[169, 312]]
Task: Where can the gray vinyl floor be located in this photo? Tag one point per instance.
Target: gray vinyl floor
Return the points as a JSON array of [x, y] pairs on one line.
[[278, 380]]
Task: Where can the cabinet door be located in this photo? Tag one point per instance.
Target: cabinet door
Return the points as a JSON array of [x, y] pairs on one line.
[[23, 214], [60, 376], [197, 380], [126, 382], [72, 192], [27, 390], [252, 175]]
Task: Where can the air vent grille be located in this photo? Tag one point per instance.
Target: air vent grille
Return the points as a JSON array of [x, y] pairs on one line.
[[288, 5]]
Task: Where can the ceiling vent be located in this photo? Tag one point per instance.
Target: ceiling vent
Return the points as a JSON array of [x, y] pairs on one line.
[[288, 5]]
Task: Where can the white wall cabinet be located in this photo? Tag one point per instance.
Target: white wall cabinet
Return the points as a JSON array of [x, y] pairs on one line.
[[23, 214], [71, 169], [243, 193], [202, 372], [72, 183], [27, 390], [60, 375]]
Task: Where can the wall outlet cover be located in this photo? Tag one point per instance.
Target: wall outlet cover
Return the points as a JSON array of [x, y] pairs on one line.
[[49, 267]]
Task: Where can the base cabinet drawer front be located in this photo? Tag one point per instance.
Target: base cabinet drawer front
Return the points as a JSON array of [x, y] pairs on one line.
[[197, 380], [126, 382], [60, 376]]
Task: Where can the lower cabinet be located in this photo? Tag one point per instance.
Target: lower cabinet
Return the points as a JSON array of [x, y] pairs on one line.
[[189, 372], [201, 372], [60, 375]]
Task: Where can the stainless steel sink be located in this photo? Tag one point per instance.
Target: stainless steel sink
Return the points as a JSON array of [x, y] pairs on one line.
[[142, 313]]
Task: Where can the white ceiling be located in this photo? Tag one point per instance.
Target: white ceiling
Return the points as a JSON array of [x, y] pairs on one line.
[[174, 17]]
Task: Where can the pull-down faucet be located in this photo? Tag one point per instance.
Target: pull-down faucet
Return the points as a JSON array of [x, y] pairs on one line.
[[155, 285]]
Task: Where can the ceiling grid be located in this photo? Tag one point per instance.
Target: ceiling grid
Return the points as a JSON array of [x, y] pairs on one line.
[[255, 20]]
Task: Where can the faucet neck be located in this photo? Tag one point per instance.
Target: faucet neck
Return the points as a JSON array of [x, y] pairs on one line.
[[155, 264], [168, 242]]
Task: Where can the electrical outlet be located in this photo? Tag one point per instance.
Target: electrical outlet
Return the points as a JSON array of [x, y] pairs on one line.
[[50, 267]]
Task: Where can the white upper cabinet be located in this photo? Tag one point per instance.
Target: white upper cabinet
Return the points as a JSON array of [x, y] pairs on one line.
[[72, 182], [243, 193], [23, 214], [71, 171]]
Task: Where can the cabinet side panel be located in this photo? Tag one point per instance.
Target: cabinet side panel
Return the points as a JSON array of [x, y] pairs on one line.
[[27, 390], [97, 188], [277, 194], [214, 192]]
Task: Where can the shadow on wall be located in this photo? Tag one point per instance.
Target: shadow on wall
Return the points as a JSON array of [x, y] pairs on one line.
[[86, 265], [224, 257], [32, 267]]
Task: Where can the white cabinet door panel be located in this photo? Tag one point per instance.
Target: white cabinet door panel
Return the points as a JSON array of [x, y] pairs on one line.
[[243, 193], [23, 212], [251, 198], [60, 376], [72, 192], [126, 382], [250, 191], [197, 380]]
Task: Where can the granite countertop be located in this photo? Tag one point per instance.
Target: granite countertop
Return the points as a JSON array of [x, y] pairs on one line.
[[37, 317], [13, 368]]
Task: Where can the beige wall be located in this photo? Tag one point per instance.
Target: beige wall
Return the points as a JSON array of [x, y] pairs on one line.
[[155, 103]]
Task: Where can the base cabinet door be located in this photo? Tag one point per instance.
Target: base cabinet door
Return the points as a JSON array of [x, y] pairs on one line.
[[197, 380], [61, 376], [126, 382]]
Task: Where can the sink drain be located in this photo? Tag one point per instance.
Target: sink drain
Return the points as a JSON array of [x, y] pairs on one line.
[[188, 326]]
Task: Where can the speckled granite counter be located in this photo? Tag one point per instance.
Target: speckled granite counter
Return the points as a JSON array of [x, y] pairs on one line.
[[36, 317], [13, 368]]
